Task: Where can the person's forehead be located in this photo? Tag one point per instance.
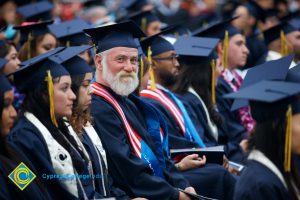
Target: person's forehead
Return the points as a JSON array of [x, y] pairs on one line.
[[124, 51], [237, 37]]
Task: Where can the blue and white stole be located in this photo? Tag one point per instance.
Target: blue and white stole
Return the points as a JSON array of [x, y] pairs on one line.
[[140, 147], [177, 110]]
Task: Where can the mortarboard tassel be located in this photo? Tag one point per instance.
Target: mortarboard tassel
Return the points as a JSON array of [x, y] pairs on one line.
[[213, 80], [51, 100], [144, 24], [68, 43], [284, 48], [153, 85], [225, 51], [288, 141], [141, 68], [29, 45]]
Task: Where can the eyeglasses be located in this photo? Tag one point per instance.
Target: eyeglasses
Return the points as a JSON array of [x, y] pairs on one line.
[[172, 57]]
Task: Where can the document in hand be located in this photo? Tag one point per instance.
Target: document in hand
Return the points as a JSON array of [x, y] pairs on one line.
[[213, 154]]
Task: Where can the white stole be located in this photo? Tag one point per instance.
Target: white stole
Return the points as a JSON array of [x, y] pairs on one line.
[[56, 151]]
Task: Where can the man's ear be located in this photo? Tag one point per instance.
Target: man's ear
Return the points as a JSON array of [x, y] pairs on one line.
[[154, 64], [220, 48], [98, 62]]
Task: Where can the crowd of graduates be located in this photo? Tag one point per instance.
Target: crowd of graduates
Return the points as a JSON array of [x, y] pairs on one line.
[[96, 96]]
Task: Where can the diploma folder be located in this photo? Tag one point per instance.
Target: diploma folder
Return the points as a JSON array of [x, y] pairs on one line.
[[212, 154]]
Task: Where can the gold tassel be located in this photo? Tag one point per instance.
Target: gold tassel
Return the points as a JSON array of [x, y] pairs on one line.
[[153, 85], [225, 51], [144, 24], [29, 45], [213, 80], [284, 48], [288, 141], [142, 68], [51, 100], [68, 43]]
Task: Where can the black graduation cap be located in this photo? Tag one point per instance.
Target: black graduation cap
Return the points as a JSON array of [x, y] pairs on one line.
[[36, 11], [273, 33], [295, 23], [115, 35], [217, 30], [290, 16], [157, 43], [2, 62], [71, 32], [34, 72], [269, 99], [176, 30], [194, 48], [134, 5], [272, 70], [293, 74], [71, 61], [5, 85], [92, 3], [35, 29], [255, 10]]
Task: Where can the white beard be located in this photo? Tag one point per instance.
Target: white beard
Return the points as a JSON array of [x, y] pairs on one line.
[[122, 83]]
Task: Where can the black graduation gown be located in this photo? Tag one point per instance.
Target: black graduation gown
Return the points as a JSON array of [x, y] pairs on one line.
[[211, 180], [129, 172], [197, 113], [8, 189], [100, 169], [259, 183], [26, 138], [236, 131]]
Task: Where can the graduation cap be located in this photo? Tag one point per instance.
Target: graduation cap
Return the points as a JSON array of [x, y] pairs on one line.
[[33, 29], [295, 23], [143, 18], [276, 31], [272, 70], [70, 33], [176, 31], [293, 74], [2, 62], [71, 61], [290, 16], [134, 5], [255, 10], [39, 70], [92, 3], [218, 29], [5, 85], [115, 35], [36, 11]]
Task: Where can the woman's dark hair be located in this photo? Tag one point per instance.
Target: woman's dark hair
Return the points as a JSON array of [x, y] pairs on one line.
[[5, 48], [79, 117], [37, 103], [197, 75], [269, 138], [145, 70]]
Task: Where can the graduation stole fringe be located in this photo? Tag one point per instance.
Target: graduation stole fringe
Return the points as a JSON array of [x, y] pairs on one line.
[[51, 98], [284, 46], [225, 51], [152, 78], [144, 24], [213, 80], [29, 45], [288, 141]]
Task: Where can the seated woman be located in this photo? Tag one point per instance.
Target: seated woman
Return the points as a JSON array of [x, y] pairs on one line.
[[271, 171], [9, 52], [196, 87], [9, 157], [41, 132], [81, 121]]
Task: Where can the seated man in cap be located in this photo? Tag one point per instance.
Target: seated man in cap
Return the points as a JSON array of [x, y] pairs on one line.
[[132, 132]]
